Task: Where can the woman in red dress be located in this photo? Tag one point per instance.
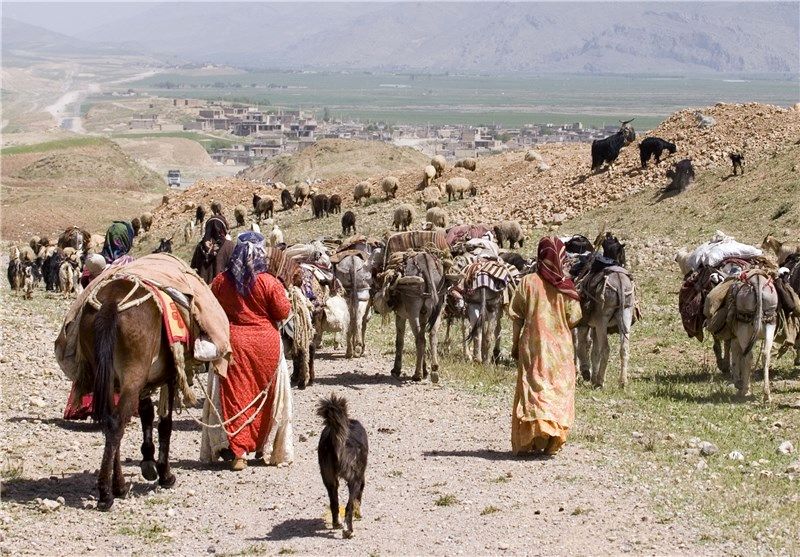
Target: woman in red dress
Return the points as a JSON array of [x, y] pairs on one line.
[[255, 302]]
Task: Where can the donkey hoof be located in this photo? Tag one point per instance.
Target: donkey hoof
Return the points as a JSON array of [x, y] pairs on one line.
[[149, 470], [586, 374], [416, 377], [168, 481], [347, 534], [105, 505], [395, 372], [122, 491]]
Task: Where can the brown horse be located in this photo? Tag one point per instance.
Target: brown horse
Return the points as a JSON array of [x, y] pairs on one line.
[[127, 351]]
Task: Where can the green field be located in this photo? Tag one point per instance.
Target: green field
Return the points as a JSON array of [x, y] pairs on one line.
[[55, 145], [475, 99], [209, 143]]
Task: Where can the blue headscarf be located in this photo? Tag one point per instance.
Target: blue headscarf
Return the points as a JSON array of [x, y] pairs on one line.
[[247, 261]]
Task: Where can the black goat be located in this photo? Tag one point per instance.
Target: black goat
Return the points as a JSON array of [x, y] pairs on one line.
[[348, 223], [199, 215], [164, 246], [654, 147], [614, 249], [50, 267], [335, 204], [682, 174], [287, 201], [607, 150], [136, 224], [256, 199], [319, 206], [738, 162]]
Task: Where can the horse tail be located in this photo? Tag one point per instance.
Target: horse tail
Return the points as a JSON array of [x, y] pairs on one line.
[[105, 339], [758, 290]]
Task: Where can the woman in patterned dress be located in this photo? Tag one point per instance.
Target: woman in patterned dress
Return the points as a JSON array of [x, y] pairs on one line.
[[544, 308], [255, 302]]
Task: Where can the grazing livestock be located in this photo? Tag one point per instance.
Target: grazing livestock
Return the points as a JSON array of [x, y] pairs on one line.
[[524, 266], [428, 174], [275, 235], [256, 199], [266, 206], [216, 208], [466, 164], [737, 159], [50, 269], [302, 192], [348, 223], [363, 190], [69, 273], [509, 230], [319, 206], [431, 196], [440, 164], [681, 176], [164, 245], [188, 231], [437, 217], [459, 186], [607, 150], [654, 147], [335, 204], [147, 221], [403, 215], [782, 250], [199, 215], [239, 213], [15, 270], [287, 201], [532, 156], [136, 224], [389, 186]]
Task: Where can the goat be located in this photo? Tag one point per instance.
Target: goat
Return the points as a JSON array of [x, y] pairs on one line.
[[654, 147], [348, 223], [199, 215], [164, 245], [737, 159], [335, 204], [319, 206], [607, 150], [287, 201], [256, 199]]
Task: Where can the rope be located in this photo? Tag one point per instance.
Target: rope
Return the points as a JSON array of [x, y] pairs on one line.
[[263, 395], [126, 302]]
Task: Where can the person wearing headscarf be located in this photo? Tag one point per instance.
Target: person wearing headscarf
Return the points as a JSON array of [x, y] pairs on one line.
[[255, 303], [213, 252], [544, 309], [119, 241]]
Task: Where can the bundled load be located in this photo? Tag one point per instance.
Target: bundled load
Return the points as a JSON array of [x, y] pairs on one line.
[[720, 248]]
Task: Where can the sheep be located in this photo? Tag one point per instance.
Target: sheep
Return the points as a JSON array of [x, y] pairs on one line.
[[239, 213], [335, 203], [188, 231], [467, 164], [682, 259], [255, 228], [348, 223], [403, 215], [216, 208], [35, 243], [389, 186], [15, 270], [319, 206], [509, 230], [436, 216], [440, 164], [654, 147], [147, 221], [428, 174], [266, 206], [69, 272], [302, 191], [431, 196], [459, 185], [363, 190], [200, 215], [335, 319], [275, 236], [189, 206], [287, 201], [136, 224], [532, 156]]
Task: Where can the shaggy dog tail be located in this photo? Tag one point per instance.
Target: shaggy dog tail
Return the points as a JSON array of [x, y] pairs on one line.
[[333, 411]]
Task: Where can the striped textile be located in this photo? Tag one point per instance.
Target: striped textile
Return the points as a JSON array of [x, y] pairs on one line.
[[434, 242], [283, 268]]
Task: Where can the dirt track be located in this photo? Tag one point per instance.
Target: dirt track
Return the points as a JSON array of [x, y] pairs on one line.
[[426, 442]]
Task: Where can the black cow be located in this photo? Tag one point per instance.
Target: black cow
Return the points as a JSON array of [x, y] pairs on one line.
[[348, 223], [287, 200], [614, 249], [607, 150], [654, 147], [738, 162]]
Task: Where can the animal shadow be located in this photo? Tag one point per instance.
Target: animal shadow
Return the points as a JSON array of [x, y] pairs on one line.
[[351, 379], [487, 454], [299, 528], [72, 487], [71, 425]]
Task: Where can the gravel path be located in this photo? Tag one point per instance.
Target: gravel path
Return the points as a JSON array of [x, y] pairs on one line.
[[428, 443]]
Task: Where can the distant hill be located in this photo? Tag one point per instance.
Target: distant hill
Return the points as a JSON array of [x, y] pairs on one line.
[[26, 40], [641, 37]]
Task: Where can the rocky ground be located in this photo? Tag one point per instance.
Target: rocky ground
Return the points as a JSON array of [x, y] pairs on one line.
[[441, 479]]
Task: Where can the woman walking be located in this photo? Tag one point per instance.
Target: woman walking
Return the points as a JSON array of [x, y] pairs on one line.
[[211, 255], [255, 302], [544, 308]]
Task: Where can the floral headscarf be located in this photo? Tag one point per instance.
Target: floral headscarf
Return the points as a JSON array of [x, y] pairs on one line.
[[247, 261], [119, 240], [550, 257]]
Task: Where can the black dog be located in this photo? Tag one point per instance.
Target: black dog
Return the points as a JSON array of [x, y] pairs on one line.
[[342, 453]]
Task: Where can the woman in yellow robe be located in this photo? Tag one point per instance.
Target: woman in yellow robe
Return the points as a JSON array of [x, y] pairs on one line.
[[544, 308]]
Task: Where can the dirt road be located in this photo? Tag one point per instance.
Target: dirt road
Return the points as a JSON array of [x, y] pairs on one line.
[[441, 479]]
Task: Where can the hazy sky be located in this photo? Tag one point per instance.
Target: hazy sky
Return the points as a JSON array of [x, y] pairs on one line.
[[71, 17]]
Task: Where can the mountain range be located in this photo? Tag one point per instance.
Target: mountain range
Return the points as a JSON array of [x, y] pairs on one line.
[[550, 37]]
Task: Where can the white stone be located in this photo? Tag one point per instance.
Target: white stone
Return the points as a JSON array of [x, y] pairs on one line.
[[786, 447], [735, 455]]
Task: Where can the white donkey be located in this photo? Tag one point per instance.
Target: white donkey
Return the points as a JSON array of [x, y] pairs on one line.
[[612, 311]]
